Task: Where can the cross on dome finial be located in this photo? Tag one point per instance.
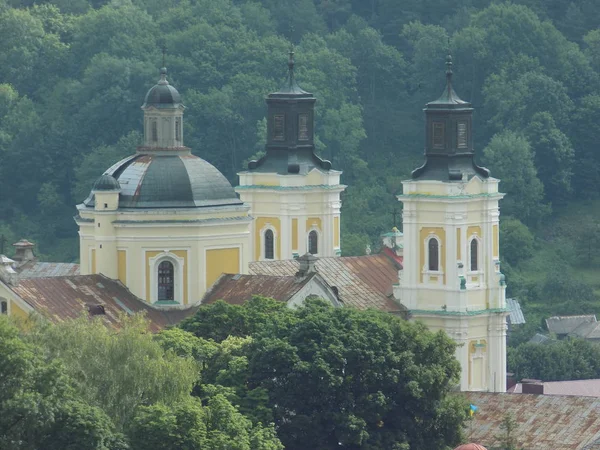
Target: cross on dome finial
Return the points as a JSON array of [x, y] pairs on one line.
[[291, 64]]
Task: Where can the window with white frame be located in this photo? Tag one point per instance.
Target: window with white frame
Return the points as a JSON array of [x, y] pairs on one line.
[[313, 242], [3, 307], [433, 254], [269, 244]]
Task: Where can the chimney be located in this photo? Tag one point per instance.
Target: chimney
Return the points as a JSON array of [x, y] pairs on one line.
[[23, 252], [7, 272], [529, 386], [510, 380], [307, 265]]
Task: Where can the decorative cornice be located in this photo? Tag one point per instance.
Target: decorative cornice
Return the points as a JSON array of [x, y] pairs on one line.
[[450, 197], [427, 312], [329, 187]]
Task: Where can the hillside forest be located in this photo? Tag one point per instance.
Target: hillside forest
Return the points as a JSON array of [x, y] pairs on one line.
[[73, 75]]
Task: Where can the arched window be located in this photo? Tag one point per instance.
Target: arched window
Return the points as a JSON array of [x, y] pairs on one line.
[[4, 307], [166, 281], [313, 242], [154, 131], [177, 129], [474, 254], [434, 251], [269, 245]]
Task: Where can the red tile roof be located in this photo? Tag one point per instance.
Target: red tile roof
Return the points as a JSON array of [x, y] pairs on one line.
[[62, 298], [544, 422], [363, 281], [236, 289]]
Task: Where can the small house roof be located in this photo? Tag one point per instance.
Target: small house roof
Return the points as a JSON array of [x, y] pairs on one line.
[[362, 281]]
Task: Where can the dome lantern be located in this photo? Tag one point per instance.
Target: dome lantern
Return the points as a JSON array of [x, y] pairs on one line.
[[163, 117]]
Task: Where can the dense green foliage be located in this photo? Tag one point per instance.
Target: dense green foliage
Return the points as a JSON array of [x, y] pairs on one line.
[[251, 377], [569, 359], [75, 73], [330, 378], [79, 385]]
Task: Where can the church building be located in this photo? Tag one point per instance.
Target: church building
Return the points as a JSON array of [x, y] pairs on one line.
[[164, 222], [451, 279], [163, 231]]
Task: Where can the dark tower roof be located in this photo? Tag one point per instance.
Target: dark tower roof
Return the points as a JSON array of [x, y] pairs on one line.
[[449, 153], [290, 131], [162, 94]]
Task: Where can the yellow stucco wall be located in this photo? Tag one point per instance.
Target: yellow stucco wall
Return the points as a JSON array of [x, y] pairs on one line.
[[294, 234], [441, 234], [495, 241], [259, 224], [93, 261], [313, 221], [221, 260], [122, 266], [17, 311], [475, 229], [476, 370], [184, 254], [336, 231], [149, 254]]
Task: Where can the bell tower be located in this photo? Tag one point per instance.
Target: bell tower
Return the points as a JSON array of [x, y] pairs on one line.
[[451, 278], [293, 194]]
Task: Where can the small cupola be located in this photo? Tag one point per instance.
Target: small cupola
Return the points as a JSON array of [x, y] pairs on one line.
[[290, 144], [106, 183], [106, 192], [449, 153], [163, 117]]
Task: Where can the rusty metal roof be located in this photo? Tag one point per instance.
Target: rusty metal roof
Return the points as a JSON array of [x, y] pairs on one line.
[[36, 269], [236, 289], [363, 281], [544, 422], [567, 324], [63, 298]]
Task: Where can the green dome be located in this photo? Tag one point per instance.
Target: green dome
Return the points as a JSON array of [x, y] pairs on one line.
[[162, 94], [106, 183]]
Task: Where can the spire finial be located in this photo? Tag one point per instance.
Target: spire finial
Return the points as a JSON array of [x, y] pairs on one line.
[[449, 63], [291, 64], [163, 69]]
